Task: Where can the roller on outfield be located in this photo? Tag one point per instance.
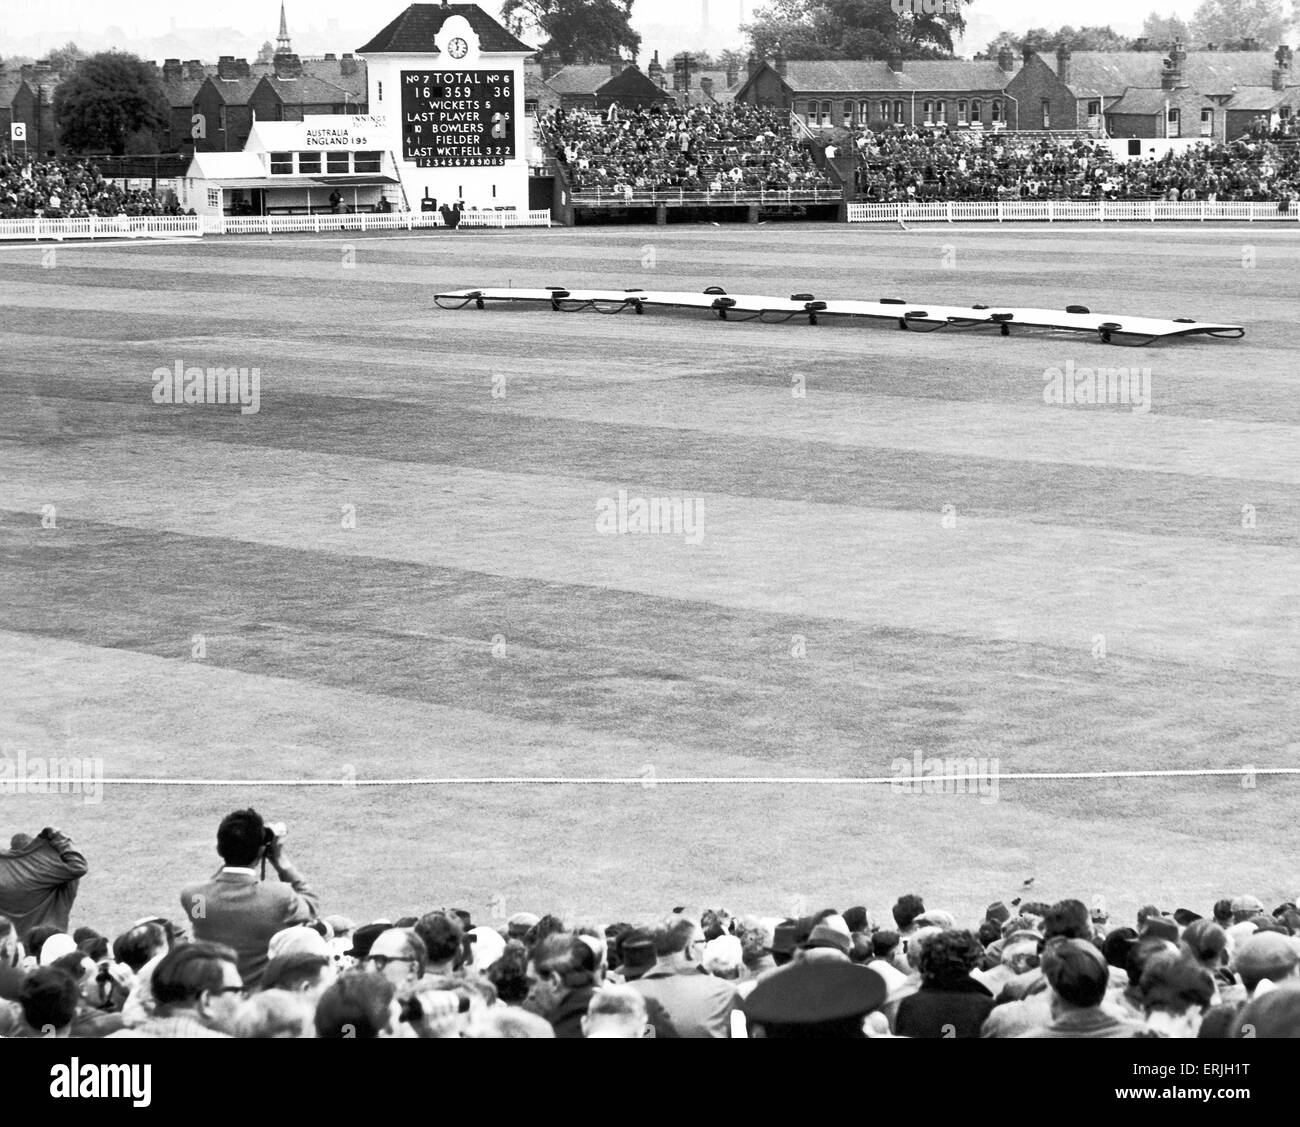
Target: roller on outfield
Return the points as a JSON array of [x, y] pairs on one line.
[[1110, 328]]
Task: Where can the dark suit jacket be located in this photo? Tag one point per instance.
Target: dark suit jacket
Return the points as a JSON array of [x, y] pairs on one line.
[[243, 912], [38, 883], [953, 1009]]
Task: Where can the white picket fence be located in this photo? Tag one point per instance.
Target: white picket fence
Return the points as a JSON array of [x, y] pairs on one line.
[[145, 226], [1073, 211], [101, 227]]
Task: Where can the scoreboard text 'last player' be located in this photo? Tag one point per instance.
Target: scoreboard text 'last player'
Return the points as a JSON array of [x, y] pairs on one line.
[[461, 117]]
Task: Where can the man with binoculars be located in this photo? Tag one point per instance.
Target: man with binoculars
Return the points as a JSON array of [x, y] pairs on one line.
[[238, 907]]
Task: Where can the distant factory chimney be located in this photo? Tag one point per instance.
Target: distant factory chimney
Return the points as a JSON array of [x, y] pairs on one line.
[[704, 13]]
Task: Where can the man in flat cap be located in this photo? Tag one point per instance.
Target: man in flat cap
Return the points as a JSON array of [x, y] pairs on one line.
[[814, 1000]]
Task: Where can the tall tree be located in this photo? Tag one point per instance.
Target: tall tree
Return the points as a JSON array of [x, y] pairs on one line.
[[1045, 41], [579, 31], [63, 59], [110, 99], [1230, 22], [1163, 30], [854, 29]]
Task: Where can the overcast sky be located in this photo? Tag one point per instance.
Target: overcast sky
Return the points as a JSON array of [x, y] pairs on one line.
[[36, 25]]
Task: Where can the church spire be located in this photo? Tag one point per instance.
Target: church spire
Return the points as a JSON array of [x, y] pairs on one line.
[[282, 44]]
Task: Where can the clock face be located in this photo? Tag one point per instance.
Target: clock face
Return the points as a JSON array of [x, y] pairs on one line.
[[458, 48]]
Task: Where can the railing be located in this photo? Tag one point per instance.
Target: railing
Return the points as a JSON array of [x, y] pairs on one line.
[[100, 227], [599, 197], [1076, 211]]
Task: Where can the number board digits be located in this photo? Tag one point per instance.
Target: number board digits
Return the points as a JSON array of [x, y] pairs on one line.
[[458, 119]]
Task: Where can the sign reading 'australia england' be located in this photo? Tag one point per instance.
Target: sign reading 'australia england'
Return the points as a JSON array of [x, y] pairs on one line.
[[458, 119]]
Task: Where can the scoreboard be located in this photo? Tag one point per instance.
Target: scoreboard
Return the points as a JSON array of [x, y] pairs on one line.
[[458, 119]]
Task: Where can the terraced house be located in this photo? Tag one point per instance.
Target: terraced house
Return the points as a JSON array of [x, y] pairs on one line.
[[880, 93]]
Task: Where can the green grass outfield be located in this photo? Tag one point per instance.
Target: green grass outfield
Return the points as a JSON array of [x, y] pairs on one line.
[[336, 653]]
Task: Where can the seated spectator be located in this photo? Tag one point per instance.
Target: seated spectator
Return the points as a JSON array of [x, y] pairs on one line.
[[950, 1002], [237, 909], [1077, 978], [275, 1015], [509, 1023], [300, 973], [814, 1000], [615, 1011], [94, 1018], [567, 967], [1176, 994], [1271, 1015], [509, 974], [363, 1006], [196, 990], [443, 937], [47, 1006], [680, 1001]]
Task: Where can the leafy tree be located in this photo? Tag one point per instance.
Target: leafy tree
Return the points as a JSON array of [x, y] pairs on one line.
[[1045, 41], [1163, 30], [65, 58], [852, 29], [108, 100], [1230, 22], [579, 31]]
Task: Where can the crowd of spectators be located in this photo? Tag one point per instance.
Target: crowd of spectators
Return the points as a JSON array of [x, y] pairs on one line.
[[249, 957], [69, 189], [714, 148], [903, 165]]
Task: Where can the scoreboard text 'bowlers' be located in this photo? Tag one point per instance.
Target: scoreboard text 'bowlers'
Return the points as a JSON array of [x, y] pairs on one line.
[[458, 118]]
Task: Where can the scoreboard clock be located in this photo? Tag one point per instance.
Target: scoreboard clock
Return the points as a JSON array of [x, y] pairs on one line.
[[458, 118]]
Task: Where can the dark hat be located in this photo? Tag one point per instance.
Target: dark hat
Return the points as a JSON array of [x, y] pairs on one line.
[[637, 950], [823, 936], [811, 993], [856, 918], [784, 940], [1185, 916], [999, 913], [364, 938], [1159, 927]]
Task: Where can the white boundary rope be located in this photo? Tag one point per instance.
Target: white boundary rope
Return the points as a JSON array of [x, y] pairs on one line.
[[911, 782]]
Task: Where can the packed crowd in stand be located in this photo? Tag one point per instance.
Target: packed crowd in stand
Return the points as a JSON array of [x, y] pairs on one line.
[[68, 189], [249, 957], [910, 164], [727, 148]]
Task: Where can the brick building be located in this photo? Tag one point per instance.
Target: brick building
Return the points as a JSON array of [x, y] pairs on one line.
[[597, 87], [877, 93], [1211, 94]]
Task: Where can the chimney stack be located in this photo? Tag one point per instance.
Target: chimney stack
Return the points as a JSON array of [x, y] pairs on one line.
[[779, 64], [330, 57], [656, 70], [706, 85], [226, 69], [348, 63], [896, 63], [733, 74], [286, 66], [172, 70], [751, 65], [1063, 55], [616, 67], [194, 69], [1171, 76], [551, 65], [1006, 59]]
